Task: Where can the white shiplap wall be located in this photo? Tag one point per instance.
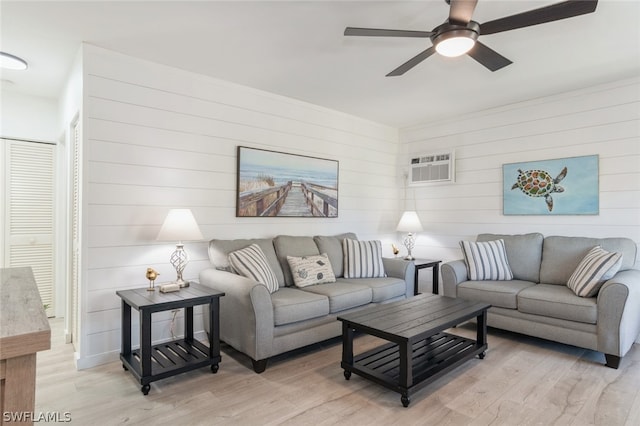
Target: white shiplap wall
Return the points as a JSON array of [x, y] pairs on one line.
[[602, 120], [157, 138]]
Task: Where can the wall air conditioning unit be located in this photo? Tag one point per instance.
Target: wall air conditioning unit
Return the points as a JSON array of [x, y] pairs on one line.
[[431, 168]]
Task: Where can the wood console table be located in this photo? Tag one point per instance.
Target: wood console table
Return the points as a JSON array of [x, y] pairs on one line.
[[24, 330]]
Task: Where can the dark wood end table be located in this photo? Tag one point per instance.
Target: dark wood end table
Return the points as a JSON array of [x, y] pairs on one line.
[[418, 351], [151, 363], [427, 263]]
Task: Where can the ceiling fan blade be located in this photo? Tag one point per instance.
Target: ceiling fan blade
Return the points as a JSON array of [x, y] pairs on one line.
[[461, 11], [488, 57], [412, 62], [554, 12], [376, 32]]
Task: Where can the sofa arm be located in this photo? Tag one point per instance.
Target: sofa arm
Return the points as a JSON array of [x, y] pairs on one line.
[[246, 312], [619, 313], [453, 273], [403, 269]]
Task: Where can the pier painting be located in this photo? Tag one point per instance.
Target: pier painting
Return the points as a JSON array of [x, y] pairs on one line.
[[272, 183]]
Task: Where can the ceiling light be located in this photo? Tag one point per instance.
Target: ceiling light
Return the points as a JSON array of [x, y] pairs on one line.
[[455, 46], [10, 62], [455, 41]]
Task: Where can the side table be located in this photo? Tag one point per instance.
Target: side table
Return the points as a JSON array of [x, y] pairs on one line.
[[426, 263], [151, 363]]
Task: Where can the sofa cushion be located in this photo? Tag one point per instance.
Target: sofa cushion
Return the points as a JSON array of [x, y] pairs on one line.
[[362, 259], [563, 254], [286, 245], [497, 293], [332, 245], [595, 269], [557, 302], [292, 305], [524, 253], [310, 270], [382, 288], [342, 295], [219, 254], [251, 262], [486, 260]]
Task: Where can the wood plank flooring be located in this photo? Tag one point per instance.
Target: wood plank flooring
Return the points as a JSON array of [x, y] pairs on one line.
[[522, 381]]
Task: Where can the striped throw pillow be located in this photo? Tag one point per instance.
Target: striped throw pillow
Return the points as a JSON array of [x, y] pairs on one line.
[[251, 262], [486, 260], [594, 269], [362, 259]]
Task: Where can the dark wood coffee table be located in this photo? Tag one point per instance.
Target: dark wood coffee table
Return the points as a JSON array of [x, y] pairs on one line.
[[419, 351]]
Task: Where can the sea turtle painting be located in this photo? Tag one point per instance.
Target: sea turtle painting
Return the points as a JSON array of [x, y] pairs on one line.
[[539, 183]]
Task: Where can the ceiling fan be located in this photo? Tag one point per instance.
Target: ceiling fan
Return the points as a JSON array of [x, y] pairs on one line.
[[459, 34]]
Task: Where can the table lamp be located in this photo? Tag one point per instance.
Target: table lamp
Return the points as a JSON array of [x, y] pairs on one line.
[[180, 225], [410, 223]]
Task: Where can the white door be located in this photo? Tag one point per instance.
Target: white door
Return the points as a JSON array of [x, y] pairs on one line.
[[28, 189]]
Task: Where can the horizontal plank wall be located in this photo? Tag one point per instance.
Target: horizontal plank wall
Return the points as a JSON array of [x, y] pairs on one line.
[[157, 138], [602, 120]]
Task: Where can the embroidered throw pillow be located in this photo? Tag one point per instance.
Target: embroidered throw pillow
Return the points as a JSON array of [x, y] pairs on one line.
[[362, 259], [486, 260], [251, 262], [310, 270], [594, 269]]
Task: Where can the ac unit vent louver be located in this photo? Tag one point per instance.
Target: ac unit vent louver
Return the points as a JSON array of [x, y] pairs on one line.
[[430, 168]]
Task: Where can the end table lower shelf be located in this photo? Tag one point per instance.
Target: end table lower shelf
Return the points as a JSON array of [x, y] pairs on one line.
[[169, 359]]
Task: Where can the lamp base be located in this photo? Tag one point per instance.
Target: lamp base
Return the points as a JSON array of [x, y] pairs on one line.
[[182, 283], [409, 242]]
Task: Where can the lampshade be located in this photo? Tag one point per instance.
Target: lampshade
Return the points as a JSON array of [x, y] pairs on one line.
[[180, 225], [409, 222]]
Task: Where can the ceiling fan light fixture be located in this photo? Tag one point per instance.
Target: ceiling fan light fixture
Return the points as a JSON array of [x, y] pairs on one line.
[[455, 43], [455, 46]]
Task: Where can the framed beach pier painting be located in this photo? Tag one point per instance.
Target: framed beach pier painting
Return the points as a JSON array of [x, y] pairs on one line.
[[565, 186], [271, 183]]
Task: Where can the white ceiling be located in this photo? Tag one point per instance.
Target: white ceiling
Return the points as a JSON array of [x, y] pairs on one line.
[[296, 49]]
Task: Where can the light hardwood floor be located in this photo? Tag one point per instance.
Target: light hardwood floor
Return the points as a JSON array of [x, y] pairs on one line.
[[522, 381]]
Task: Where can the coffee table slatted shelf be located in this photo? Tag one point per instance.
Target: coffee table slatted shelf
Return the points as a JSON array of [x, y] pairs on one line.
[[431, 359]]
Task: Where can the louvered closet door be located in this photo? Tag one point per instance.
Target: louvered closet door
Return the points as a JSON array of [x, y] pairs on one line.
[[29, 212]]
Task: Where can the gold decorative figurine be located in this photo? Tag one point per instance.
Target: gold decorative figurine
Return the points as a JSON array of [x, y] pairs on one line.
[[395, 249], [151, 276]]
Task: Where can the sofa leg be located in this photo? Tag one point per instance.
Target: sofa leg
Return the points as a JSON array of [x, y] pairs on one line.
[[259, 366], [613, 361]]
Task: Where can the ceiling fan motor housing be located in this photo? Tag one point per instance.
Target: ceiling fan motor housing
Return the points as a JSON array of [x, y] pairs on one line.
[[448, 30]]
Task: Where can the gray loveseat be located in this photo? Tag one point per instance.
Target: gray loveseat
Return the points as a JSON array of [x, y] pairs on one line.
[[262, 324], [537, 301]]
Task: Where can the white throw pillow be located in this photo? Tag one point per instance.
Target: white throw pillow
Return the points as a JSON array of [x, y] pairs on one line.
[[310, 270], [594, 269], [362, 259], [486, 260], [251, 262]]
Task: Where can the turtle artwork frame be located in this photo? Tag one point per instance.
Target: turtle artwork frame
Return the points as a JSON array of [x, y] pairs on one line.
[[564, 186]]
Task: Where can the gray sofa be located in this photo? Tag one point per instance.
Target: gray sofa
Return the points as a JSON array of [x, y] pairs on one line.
[[262, 325], [537, 301]]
